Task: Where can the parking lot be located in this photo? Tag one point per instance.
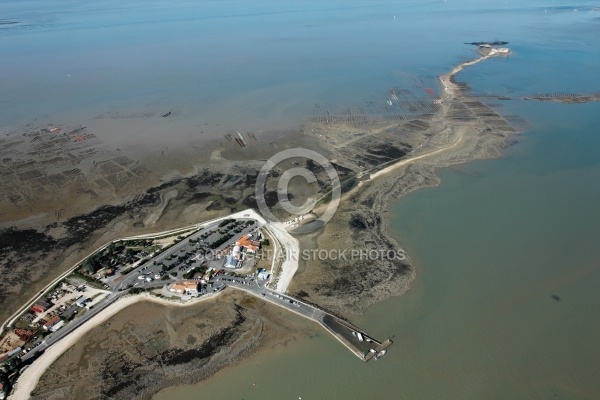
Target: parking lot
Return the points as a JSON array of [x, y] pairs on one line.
[[198, 251]]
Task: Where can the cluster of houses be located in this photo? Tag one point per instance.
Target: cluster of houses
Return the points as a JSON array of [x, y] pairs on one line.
[[249, 243], [51, 322], [54, 320], [24, 335]]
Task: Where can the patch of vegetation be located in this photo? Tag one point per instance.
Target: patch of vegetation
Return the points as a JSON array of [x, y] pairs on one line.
[[226, 222], [117, 253], [137, 290], [226, 237]]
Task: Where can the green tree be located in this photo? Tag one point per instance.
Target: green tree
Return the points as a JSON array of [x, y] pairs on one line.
[[89, 267]]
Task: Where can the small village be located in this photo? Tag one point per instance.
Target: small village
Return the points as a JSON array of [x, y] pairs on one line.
[[183, 265], [178, 266]]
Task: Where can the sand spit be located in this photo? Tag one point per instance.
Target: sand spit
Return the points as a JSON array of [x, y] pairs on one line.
[[462, 129], [451, 90]]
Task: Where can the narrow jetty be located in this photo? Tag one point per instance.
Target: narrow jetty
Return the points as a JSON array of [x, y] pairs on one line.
[[378, 351], [356, 340], [361, 344]]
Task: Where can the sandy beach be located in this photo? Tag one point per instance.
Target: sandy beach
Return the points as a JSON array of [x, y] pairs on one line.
[[31, 376], [150, 345]]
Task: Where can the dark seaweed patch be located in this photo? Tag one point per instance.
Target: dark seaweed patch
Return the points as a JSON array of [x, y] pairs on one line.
[[208, 348]]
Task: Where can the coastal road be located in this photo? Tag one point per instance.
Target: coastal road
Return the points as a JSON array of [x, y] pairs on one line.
[[290, 249], [70, 327], [255, 287], [258, 289], [187, 247], [131, 279]]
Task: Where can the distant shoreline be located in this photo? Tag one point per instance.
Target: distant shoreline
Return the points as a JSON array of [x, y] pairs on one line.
[[565, 98]]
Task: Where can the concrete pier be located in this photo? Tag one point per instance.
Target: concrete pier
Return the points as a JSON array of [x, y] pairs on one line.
[[350, 336], [382, 346], [345, 332]]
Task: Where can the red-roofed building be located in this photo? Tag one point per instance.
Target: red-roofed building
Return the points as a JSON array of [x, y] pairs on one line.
[[248, 243], [50, 323], [185, 287], [40, 306], [24, 334]]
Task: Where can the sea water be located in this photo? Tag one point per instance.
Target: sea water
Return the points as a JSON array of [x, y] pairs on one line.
[[506, 250], [505, 302], [234, 64]]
